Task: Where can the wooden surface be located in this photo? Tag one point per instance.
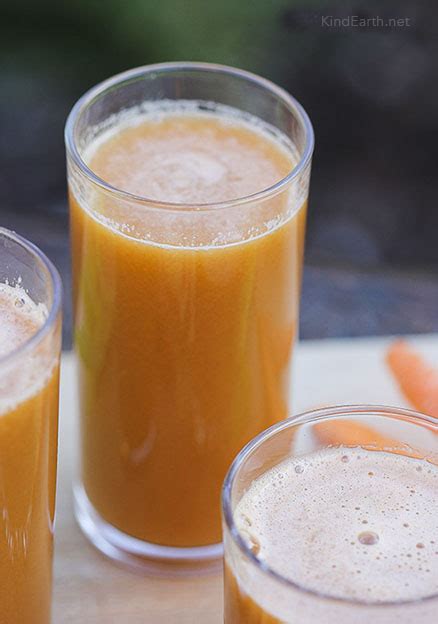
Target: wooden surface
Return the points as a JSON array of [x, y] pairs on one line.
[[90, 589]]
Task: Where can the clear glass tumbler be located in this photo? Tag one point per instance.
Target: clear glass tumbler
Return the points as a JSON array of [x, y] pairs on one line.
[[30, 291], [185, 316], [404, 441]]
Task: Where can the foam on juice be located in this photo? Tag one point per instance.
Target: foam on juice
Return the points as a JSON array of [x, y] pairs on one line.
[[181, 154], [20, 319], [349, 523]]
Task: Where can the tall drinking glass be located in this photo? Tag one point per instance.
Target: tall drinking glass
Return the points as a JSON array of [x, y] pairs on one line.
[[188, 186], [30, 341], [332, 516]]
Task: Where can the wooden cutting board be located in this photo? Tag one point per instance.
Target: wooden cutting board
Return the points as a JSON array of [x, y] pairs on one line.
[[89, 589]]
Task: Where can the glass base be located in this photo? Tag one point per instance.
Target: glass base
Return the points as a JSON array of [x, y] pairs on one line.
[[137, 554]]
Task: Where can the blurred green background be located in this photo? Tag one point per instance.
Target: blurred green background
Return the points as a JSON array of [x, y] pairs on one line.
[[371, 92]]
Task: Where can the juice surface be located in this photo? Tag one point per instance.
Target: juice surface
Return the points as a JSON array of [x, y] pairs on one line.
[[184, 350], [28, 445], [347, 523]]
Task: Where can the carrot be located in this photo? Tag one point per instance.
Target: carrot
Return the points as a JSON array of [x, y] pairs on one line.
[[351, 433], [417, 379]]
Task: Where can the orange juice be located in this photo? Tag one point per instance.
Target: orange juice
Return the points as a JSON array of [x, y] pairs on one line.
[[28, 444], [184, 329]]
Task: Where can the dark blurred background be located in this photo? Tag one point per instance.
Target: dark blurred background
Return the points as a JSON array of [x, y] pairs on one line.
[[371, 91]]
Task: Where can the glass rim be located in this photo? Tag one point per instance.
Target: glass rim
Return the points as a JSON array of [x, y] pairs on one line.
[[131, 75], [308, 416], [39, 335]]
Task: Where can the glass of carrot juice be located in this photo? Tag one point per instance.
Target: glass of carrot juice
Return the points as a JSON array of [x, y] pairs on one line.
[[30, 342], [332, 516], [188, 187]]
